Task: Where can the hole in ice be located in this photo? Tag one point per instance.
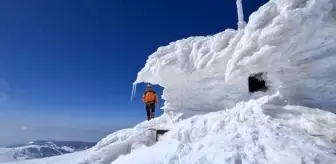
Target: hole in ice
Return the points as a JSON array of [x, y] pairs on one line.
[[137, 95], [257, 83]]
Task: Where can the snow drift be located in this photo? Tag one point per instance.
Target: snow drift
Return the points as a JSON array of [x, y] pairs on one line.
[[251, 132], [211, 115]]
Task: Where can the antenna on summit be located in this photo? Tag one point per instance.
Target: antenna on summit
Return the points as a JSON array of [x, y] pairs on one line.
[[241, 22]]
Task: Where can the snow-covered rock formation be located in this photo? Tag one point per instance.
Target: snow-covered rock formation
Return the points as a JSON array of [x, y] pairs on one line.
[[212, 116]]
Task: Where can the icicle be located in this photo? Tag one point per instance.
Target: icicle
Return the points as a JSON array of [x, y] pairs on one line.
[[133, 91], [241, 22]]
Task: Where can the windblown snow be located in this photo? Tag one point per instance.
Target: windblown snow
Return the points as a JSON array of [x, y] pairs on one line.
[[211, 115]]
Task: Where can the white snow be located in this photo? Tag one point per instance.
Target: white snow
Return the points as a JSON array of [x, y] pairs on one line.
[[210, 113], [243, 134], [69, 149], [6, 155], [71, 158], [25, 152], [16, 154]]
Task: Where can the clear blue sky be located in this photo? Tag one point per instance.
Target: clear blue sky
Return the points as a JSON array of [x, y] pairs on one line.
[[73, 62]]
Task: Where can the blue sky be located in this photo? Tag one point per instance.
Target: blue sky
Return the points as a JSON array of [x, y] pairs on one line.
[[68, 66]]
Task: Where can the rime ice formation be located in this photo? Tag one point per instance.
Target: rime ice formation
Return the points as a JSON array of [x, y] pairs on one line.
[[294, 42]]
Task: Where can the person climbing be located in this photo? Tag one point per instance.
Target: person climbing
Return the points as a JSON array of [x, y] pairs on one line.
[[150, 99]]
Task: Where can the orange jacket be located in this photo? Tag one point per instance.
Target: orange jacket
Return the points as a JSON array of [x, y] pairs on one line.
[[150, 96]]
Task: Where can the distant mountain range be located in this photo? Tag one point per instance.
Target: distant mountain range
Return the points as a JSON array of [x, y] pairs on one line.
[[42, 149]]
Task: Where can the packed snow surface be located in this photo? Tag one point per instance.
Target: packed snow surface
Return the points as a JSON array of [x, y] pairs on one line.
[[212, 117]]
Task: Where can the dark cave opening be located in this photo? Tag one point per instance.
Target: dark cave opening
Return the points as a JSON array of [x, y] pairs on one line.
[[257, 83]]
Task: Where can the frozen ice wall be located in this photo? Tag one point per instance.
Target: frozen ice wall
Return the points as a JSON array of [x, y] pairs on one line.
[[294, 42]]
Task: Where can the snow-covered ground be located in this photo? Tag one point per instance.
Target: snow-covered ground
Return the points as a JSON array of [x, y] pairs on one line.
[[6, 155], [62, 159], [251, 132], [41, 149], [265, 131], [210, 113]]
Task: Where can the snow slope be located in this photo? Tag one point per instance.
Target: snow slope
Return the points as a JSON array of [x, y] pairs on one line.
[[244, 134], [71, 158], [6, 155], [210, 113], [263, 131], [41, 149]]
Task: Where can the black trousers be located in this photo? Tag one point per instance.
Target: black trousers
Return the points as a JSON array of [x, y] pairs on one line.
[[150, 107]]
